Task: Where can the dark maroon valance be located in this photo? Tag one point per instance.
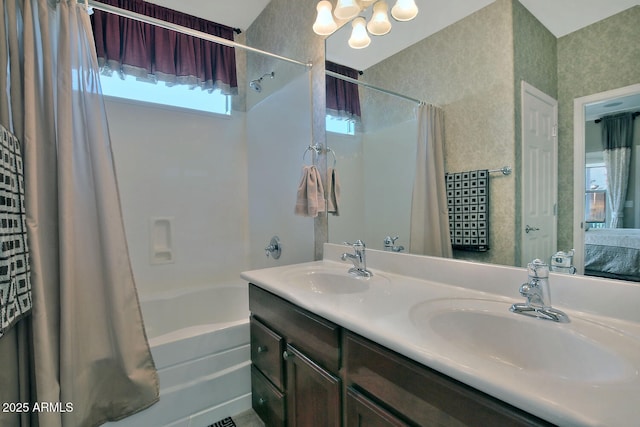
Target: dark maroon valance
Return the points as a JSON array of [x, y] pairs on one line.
[[155, 53], [343, 99]]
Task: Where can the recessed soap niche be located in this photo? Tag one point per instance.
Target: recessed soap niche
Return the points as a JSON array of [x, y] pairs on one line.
[[161, 240]]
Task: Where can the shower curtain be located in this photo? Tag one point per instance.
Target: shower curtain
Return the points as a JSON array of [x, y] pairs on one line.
[[429, 212], [83, 347], [617, 138]]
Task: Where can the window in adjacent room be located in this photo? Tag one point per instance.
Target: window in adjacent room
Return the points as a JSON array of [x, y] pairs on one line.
[[340, 125]]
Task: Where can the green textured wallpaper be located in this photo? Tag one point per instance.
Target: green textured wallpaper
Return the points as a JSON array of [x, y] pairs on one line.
[[467, 69], [535, 62]]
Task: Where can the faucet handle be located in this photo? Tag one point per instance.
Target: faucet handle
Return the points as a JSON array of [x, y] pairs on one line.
[[538, 269], [358, 244]]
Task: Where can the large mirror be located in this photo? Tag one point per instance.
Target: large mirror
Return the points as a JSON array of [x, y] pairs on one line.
[[472, 67]]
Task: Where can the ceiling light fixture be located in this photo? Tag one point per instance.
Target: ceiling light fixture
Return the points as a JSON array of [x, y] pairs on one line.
[[359, 37], [324, 24], [347, 9], [379, 24], [404, 10]]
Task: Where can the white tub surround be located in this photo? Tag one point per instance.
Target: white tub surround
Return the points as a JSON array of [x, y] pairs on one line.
[[199, 340], [584, 373]]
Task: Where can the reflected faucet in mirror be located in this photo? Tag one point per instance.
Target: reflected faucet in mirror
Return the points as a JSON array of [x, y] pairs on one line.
[[390, 246]]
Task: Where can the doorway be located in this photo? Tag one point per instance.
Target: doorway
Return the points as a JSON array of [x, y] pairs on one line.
[[539, 174], [581, 107]]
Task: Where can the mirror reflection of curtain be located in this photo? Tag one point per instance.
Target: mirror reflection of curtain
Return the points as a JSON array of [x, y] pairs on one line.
[[429, 210], [617, 138], [84, 342], [343, 99]]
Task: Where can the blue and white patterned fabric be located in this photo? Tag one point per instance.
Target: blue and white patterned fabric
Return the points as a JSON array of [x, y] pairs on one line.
[[468, 203], [15, 282]]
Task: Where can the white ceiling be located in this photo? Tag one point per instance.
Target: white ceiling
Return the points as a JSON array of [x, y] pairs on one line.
[[561, 17]]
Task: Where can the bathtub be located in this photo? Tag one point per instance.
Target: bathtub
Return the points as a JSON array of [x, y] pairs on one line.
[[199, 339]]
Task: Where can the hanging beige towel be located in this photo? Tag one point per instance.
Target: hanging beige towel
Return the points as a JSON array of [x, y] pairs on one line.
[[333, 194], [310, 198]]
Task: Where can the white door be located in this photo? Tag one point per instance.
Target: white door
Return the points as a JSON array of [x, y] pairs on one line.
[[539, 174]]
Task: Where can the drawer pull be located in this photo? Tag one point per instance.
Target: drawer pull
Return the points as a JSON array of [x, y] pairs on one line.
[[262, 349], [262, 401], [287, 355]]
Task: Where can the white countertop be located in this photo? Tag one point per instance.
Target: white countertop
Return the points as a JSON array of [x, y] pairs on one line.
[[382, 314]]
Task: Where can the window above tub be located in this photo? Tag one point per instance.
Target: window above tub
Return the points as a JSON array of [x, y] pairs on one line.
[[177, 95]]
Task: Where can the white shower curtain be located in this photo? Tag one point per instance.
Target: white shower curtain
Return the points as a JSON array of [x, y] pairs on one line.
[[87, 348], [429, 212]]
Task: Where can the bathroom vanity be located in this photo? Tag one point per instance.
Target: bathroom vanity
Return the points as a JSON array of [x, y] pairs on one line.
[[427, 341]]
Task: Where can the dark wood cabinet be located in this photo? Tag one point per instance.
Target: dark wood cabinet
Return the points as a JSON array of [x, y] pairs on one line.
[[296, 361], [421, 395], [267, 400], [310, 372], [362, 412], [313, 394]]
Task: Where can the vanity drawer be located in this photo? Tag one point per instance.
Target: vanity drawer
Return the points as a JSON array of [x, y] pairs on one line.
[[362, 412], [316, 337], [266, 400], [422, 395], [266, 352]]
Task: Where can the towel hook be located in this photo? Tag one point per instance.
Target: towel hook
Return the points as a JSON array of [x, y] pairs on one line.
[[310, 148], [319, 150], [333, 153]]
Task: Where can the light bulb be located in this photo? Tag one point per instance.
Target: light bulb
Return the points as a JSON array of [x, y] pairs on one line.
[[346, 9], [324, 24], [359, 37], [379, 24], [404, 10]]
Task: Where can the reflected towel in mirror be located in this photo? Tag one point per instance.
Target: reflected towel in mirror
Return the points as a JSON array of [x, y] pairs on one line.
[[333, 192], [310, 197]]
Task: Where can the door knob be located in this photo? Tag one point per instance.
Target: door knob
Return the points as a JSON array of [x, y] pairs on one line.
[[529, 228]]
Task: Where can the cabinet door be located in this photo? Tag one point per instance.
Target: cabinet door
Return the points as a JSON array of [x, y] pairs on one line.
[[361, 412], [313, 394]]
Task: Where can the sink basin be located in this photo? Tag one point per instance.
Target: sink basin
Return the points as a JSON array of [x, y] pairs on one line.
[[485, 329], [329, 281]]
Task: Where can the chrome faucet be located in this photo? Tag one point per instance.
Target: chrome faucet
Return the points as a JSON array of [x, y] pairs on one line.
[[538, 294], [358, 258], [389, 244]]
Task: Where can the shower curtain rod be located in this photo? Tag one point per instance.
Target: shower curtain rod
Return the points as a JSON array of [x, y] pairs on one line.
[[370, 86], [184, 30]]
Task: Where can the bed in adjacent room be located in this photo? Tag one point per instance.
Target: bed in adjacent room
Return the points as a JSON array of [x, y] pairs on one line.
[[613, 253]]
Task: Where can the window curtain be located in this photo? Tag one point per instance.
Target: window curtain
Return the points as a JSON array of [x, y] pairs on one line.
[[617, 138], [343, 99], [429, 227], [157, 54], [84, 344]]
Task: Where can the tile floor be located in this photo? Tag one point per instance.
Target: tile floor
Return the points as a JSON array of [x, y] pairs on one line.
[[248, 419]]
